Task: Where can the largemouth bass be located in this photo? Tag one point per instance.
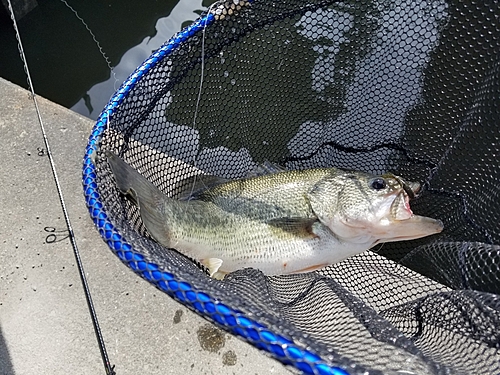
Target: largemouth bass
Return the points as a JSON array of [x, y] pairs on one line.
[[280, 223]]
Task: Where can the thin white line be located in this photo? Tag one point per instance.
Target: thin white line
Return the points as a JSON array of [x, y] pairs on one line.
[[106, 58]]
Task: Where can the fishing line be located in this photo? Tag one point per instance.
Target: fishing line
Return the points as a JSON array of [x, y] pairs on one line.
[[200, 89], [93, 315], [101, 50], [202, 71]]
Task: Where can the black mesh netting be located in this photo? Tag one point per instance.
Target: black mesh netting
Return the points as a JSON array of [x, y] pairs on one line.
[[410, 87]]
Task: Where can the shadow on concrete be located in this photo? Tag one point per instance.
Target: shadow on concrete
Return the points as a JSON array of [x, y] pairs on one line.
[[5, 361]]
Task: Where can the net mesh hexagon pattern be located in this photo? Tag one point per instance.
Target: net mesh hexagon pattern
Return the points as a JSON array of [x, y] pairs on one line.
[[410, 87]]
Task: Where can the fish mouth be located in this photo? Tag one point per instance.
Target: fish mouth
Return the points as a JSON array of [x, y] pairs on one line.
[[410, 188], [407, 225], [400, 207], [413, 228]]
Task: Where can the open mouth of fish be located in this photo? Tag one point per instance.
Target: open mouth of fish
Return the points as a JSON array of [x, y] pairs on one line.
[[410, 225], [400, 208]]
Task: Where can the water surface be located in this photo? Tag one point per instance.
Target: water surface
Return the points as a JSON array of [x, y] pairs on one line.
[[65, 62]]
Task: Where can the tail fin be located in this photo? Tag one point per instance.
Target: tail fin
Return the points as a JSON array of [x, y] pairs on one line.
[[130, 182], [146, 196]]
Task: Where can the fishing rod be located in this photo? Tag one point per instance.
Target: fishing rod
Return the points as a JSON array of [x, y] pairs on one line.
[[93, 315]]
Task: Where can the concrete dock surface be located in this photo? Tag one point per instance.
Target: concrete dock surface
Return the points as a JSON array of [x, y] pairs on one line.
[[45, 326]]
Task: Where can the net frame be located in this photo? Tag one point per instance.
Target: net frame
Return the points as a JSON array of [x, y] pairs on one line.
[[284, 346], [208, 297]]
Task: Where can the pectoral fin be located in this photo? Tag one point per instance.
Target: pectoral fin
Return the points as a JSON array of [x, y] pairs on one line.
[[213, 265], [298, 226]]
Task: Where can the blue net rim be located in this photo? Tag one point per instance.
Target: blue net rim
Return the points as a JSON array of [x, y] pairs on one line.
[[280, 346]]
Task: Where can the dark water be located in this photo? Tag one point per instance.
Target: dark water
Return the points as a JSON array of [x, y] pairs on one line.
[[65, 62]]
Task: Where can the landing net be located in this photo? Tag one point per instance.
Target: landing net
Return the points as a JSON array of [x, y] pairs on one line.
[[408, 87]]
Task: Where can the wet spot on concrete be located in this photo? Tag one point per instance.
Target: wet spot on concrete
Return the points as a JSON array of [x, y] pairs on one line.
[[211, 338], [177, 316], [229, 358]]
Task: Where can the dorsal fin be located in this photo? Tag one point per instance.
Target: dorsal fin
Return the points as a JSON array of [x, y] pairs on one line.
[[192, 187], [265, 168]]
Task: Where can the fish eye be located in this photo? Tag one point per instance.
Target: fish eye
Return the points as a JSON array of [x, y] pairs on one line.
[[378, 183]]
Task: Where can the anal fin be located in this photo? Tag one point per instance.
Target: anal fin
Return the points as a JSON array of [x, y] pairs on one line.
[[213, 265]]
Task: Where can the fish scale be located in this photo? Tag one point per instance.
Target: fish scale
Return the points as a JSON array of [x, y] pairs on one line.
[[280, 223]]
